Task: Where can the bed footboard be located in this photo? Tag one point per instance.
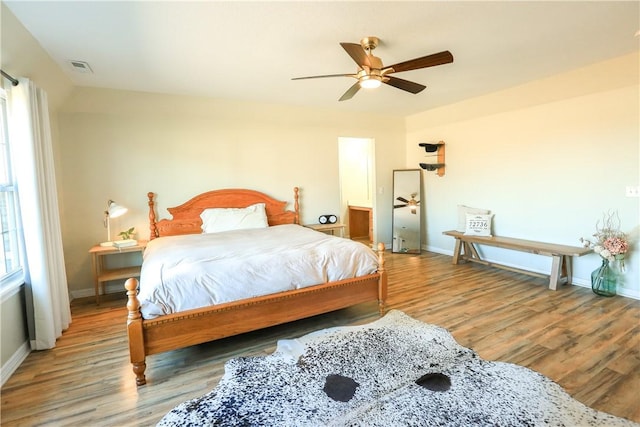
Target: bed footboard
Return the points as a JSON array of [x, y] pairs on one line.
[[382, 281], [135, 332], [179, 330]]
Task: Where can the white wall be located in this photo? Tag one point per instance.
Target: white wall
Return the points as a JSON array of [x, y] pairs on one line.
[[121, 145], [548, 158]]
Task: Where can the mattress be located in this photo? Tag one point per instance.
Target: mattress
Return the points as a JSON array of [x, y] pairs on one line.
[[185, 272]]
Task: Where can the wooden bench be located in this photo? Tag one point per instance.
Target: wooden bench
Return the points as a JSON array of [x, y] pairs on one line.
[[561, 254]]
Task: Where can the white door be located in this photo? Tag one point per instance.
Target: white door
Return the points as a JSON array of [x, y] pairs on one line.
[[357, 175]]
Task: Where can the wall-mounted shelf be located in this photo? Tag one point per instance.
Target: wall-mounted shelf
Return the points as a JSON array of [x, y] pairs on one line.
[[437, 148]]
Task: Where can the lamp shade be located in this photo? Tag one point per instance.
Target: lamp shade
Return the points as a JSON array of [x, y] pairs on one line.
[[114, 210]]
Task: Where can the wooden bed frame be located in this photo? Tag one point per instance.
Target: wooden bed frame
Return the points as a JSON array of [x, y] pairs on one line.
[[178, 330]]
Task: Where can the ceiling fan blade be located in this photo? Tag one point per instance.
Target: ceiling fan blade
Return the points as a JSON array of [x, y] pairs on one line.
[[357, 53], [402, 199], [399, 206], [326, 75], [350, 92], [444, 57], [404, 84]]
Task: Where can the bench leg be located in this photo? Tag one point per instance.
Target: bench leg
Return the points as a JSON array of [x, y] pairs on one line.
[[457, 251], [567, 268], [556, 267], [470, 251]]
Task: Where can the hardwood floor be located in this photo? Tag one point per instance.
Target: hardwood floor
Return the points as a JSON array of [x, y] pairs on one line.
[[590, 345]]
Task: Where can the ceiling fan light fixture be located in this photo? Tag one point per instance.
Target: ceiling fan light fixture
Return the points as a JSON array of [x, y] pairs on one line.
[[372, 73], [370, 82]]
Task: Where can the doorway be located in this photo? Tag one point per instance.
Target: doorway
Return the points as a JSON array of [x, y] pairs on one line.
[[357, 183]]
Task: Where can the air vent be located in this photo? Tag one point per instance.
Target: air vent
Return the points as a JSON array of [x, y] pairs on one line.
[[80, 66]]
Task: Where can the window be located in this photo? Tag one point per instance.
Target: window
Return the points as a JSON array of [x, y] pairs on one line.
[[10, 256]]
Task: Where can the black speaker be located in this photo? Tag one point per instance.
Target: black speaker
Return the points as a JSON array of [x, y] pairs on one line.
[[327, 219]]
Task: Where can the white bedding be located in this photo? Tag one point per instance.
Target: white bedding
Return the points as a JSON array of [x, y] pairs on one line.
[[185, 272]]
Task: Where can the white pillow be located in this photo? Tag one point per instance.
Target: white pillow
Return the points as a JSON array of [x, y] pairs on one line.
[[462, 215], [478, 225], [216, 220]]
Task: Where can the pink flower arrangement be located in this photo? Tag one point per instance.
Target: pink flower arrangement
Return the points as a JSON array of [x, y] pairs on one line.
[[610, 243], [615, 246]]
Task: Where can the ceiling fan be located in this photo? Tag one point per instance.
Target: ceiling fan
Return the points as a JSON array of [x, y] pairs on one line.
[[412, 203], [371, 73]]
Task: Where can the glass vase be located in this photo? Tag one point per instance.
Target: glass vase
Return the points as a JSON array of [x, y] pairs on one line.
[[604, 280]]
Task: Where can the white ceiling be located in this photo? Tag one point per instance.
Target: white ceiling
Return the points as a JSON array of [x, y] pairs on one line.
[[251, 50]]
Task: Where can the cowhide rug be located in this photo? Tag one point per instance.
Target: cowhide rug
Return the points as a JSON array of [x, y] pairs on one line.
[[396, 371]]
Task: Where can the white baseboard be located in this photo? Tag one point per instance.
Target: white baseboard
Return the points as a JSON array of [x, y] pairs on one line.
[[578, 281], [585, 283], [14, 362]]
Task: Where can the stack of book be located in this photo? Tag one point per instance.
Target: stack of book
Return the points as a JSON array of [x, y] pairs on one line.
[[124, 243]]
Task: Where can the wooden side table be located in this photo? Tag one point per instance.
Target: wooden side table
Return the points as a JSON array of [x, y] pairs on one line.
[[102, 274], [328, 228]]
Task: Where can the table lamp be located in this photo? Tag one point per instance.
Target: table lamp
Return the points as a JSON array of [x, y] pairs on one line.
[[114, 210]]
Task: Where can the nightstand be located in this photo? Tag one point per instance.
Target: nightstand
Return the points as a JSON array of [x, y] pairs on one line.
[[102, 274], [328, 228]]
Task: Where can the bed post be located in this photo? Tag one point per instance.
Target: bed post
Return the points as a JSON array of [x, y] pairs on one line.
[[152, 217], [296, 204], [134, 331], [382, 281]]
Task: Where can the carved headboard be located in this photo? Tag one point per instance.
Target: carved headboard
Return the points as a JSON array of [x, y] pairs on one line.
[[186, 217]]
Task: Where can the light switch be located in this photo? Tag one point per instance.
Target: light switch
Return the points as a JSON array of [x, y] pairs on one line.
[[633, 191]]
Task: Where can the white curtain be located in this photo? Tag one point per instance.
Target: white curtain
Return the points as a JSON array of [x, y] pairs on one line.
[[48, 311]]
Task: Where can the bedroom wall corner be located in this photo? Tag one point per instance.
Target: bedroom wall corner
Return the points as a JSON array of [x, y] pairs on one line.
[[22, 56], [548, 158]]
